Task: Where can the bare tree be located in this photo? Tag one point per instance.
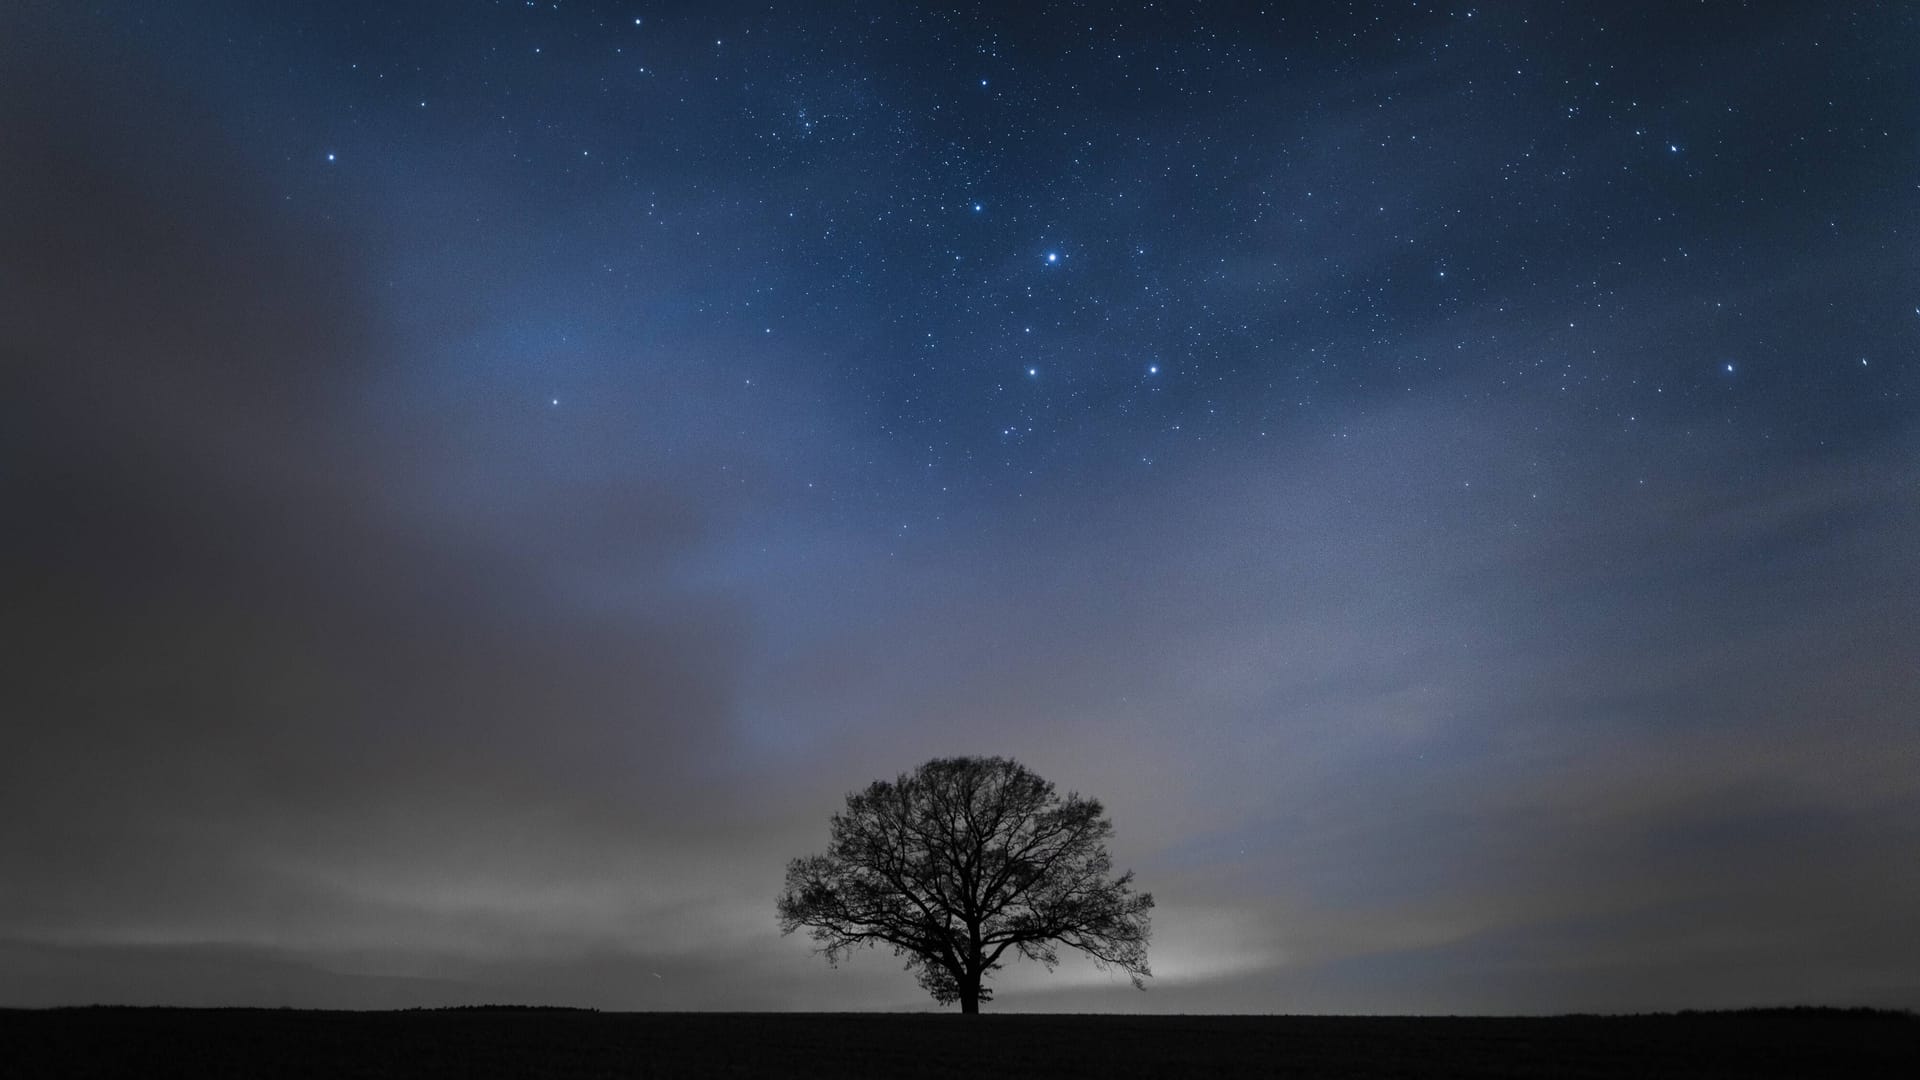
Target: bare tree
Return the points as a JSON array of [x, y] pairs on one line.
[[959, 861]]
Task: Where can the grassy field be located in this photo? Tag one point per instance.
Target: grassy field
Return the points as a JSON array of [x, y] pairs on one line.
[[117, 1042]]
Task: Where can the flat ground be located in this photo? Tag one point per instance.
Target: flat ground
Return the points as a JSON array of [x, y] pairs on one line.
[[117, 1042]]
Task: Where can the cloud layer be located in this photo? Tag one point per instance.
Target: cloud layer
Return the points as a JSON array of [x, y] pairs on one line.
[[333, 685]]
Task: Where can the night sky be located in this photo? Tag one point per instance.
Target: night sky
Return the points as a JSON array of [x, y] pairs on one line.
[[480, 483]]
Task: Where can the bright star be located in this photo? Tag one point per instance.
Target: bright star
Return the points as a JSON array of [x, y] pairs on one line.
[[977, 208], [1031, 372], [555, 401], [1729, 369], [1153, 369], [1053, 256], [329, 155]]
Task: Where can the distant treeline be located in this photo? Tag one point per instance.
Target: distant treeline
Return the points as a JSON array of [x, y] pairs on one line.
[[500, 1008], [1856, 1012], [1834, 1012]]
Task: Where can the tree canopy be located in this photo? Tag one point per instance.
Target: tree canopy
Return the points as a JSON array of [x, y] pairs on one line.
[[960, 861]]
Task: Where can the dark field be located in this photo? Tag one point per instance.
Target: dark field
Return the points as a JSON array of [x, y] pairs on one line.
[[565, 1043]]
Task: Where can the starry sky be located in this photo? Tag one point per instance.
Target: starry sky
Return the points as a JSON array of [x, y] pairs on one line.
[[481, 482]]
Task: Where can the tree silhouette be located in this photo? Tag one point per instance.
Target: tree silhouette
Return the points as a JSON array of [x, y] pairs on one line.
[[959, 861]]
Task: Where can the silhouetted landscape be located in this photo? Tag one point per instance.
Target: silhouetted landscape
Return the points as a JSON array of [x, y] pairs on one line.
[[547, 1042], [577, 539]]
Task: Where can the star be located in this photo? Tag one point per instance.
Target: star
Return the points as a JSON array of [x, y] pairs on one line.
[[329, 155], [1053, 257], [1153, 369], [1032, 372]]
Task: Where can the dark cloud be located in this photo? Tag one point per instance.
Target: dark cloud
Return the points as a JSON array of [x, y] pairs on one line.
[[248, 684]]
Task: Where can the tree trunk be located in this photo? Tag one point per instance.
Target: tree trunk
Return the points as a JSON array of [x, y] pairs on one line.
[[969, 994]]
